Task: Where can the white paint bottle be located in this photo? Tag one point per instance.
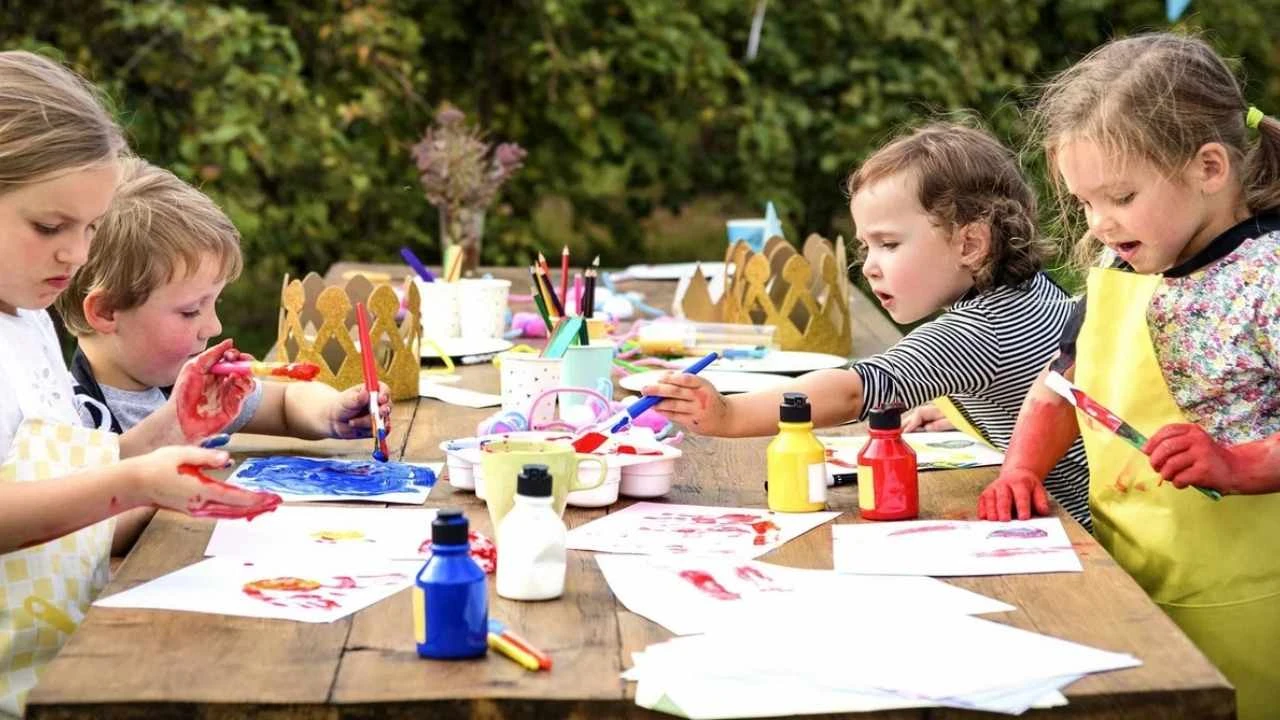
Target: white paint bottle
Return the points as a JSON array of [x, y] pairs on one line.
[[531, 541]]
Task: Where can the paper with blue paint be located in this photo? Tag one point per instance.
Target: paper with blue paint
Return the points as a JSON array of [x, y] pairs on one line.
[[311, 479]]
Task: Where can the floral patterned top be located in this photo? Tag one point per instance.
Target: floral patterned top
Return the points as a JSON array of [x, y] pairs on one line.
[[1216, 333]]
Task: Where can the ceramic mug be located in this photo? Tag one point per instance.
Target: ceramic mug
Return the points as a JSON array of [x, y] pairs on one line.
[[750, 231], [502, 460]]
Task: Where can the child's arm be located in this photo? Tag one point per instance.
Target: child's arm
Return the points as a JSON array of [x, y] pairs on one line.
[[835, 396], [1185, 455], [314, 411], [1044, 432], [36, 512]]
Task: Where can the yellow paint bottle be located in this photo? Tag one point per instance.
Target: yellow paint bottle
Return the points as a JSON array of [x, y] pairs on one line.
[[797, 469]]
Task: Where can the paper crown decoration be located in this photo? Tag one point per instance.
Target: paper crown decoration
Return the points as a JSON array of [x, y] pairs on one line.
[[805, 296], [318, 325]]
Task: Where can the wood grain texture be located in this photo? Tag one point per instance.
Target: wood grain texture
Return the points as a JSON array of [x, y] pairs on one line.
[[133, 664]]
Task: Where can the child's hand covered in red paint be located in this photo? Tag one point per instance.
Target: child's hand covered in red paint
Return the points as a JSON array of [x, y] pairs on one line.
[[926, 418], [170, 477], [349, 414], [691, 401], [1015, 492], [1185, 455], [207, 403]]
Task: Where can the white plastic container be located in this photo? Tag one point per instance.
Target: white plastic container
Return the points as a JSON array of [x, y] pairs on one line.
[[605, 494], [531, 541]]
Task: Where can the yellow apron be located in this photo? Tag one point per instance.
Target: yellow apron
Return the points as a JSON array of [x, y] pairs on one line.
[[1214, 567], [45, 590], [957, 418]]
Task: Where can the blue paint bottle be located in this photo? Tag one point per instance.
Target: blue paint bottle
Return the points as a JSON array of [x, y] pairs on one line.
[[450, 598]]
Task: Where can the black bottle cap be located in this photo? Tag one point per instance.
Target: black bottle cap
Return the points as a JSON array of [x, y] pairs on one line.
[[886, 418], [795, 408], [449, 528], [534, 481]]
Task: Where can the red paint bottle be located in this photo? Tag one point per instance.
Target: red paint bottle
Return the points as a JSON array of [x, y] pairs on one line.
[[888, 486]]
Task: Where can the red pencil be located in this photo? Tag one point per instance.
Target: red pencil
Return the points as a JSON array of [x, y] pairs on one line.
[[564, 276]]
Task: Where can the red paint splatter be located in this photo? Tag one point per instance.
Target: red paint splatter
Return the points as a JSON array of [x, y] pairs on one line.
[[1012, 552], [297, 371], [924, 529], [632, 450], [703, 580], [483, 551], [763, 582], [306, 594]]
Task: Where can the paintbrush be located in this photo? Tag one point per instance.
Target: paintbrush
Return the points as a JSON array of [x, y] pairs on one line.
[[380, 452], [291, 371], [595, 437], [1091, 408]]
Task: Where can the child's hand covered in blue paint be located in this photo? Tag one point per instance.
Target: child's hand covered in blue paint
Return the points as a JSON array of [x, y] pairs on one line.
[[349, 414], [691, 401], [207, 403]]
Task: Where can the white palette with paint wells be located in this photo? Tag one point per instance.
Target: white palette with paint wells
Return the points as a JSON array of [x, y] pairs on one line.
[[638, 464]]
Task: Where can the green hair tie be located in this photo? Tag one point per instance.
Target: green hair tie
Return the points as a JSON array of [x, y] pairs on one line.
[[1253, 118]]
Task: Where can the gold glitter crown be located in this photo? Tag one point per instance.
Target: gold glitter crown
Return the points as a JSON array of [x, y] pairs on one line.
[[318, 325], [806, 296]]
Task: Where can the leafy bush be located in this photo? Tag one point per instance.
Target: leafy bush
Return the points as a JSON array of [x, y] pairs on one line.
[[644, 124]]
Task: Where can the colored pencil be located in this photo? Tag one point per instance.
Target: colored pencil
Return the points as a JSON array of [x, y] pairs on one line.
[[564, 276], [508, 648], [555, 303], [417, 265]]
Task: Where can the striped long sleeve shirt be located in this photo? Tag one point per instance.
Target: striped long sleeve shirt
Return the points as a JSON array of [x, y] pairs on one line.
[[984, 353]]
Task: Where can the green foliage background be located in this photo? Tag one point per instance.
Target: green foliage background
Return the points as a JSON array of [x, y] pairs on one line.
[[645, 126]]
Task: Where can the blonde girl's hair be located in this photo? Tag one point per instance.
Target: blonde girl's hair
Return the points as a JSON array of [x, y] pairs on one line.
[[156, 227], [52, 121], [1159, 97], [964, 175]]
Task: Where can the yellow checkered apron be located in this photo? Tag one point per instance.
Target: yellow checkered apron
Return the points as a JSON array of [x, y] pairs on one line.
[[45, 590]]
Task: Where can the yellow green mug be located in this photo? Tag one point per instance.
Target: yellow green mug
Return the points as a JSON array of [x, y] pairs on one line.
[[502, 460]]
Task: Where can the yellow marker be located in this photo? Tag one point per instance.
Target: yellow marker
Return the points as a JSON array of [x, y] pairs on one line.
[[504, 646]]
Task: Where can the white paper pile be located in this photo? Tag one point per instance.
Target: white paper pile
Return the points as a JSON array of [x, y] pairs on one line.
[[815, 663], [954, 548], [311, 531]]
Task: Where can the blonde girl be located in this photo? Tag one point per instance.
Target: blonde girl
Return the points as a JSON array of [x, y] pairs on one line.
[[1178, 180], [60, 484]]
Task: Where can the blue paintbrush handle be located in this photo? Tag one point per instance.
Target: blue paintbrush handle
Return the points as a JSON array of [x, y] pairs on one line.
[[417, 265], [636, 408]]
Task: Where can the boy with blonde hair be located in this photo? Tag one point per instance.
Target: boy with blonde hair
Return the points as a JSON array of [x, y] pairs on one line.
[[145, 303]]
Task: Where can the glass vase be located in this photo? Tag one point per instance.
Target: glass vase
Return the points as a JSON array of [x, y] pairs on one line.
[[463, 227]]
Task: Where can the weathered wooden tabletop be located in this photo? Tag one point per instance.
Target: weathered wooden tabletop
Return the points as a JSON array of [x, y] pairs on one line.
[[139, 663]]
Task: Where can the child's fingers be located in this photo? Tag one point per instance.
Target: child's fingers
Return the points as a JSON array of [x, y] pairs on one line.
[[1165, 434], [200, 457], [1167, 450], [1184, 470], [1022, 500], [984, 500], [668, 390], [1041, 499]]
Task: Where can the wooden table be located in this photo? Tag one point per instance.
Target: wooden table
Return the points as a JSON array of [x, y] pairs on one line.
[[136, 663]]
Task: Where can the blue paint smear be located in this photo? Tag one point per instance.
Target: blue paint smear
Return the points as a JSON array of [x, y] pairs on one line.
[[295, 475]]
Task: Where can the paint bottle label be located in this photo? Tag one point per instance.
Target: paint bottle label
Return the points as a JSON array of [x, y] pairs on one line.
[[818, 482], [866, 488], [419, 615]]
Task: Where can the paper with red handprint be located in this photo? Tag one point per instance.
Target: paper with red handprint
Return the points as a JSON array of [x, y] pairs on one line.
[[690, 595], [305, 590]]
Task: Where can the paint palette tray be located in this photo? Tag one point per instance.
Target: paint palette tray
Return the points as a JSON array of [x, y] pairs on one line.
[[638, 464]]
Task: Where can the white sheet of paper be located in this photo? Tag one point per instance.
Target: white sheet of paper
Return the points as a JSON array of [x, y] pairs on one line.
[[954, 548], [940, 658], [315, 531], [413, 496], [463, 397], [305, 590], [689, 595], [647, 528], [934, 451]]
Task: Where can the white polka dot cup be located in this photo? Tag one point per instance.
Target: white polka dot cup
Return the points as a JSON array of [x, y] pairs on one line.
[[524, 376]]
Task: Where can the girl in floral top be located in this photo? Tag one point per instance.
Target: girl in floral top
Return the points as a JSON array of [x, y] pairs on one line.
[[1152, 138]]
